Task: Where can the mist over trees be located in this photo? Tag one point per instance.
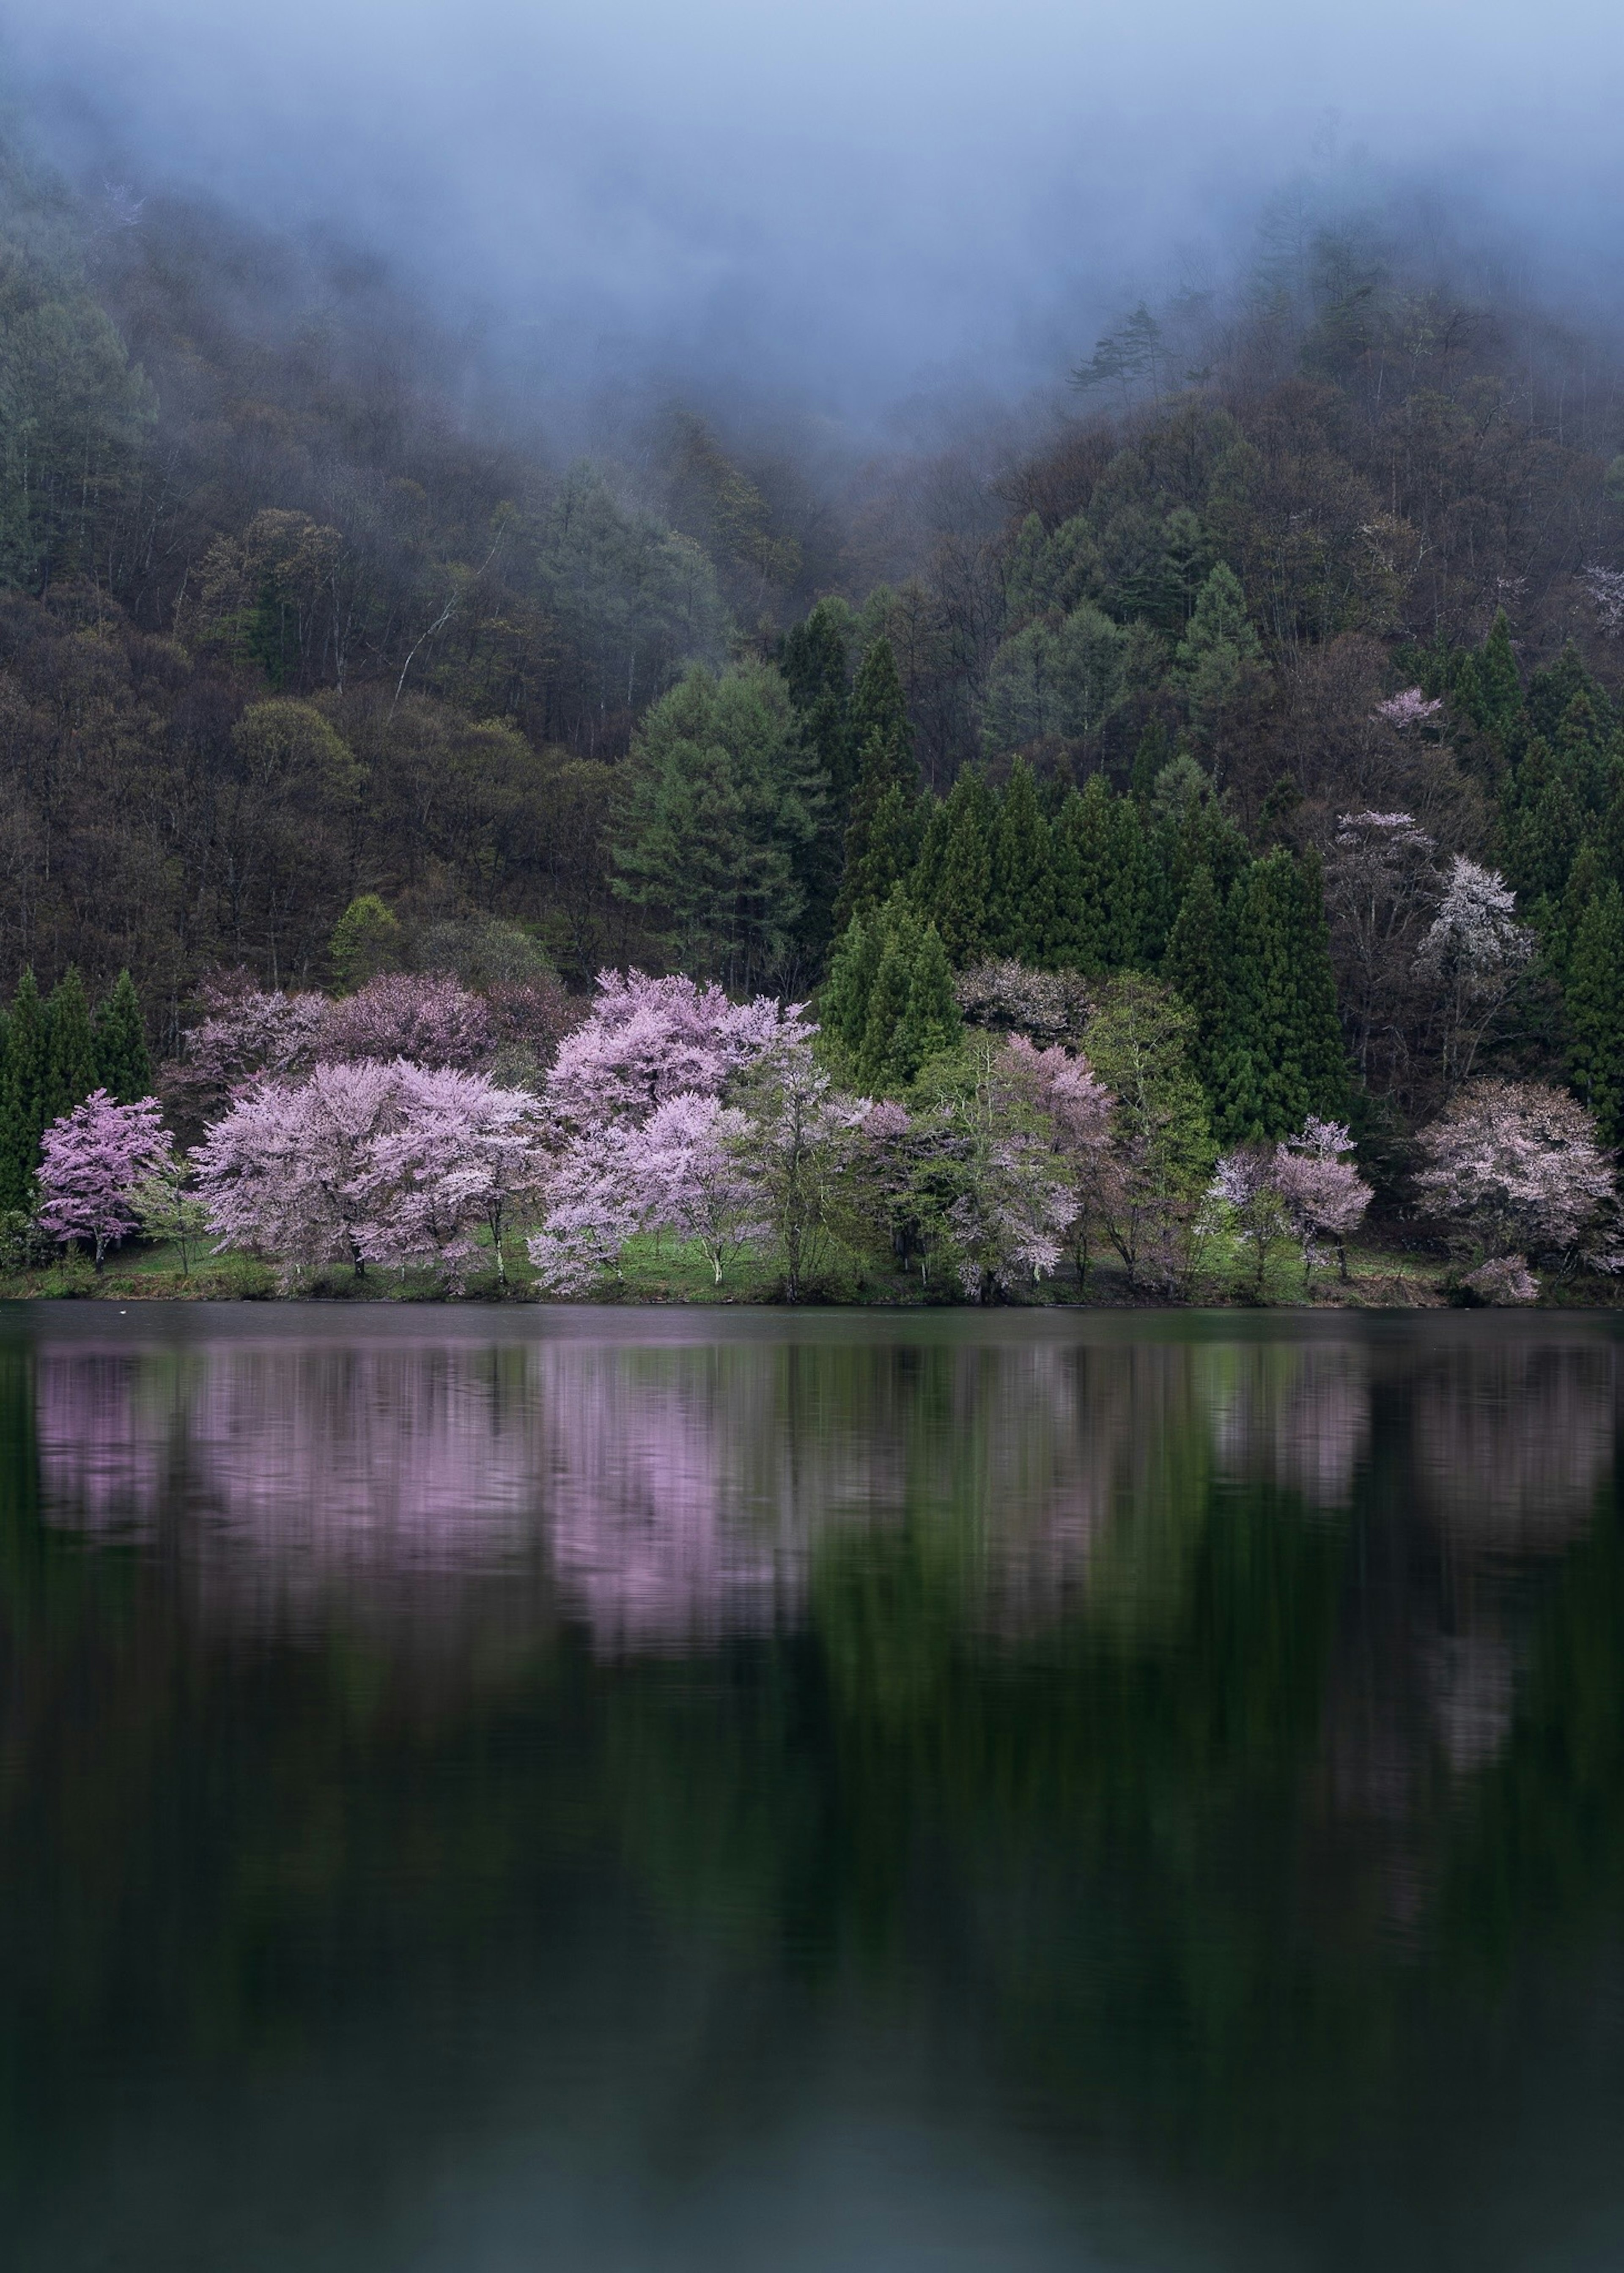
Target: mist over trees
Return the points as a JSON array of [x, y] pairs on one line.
[[1279, 671]]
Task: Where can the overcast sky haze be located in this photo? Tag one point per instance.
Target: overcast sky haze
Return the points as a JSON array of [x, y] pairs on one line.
[[850, 202]]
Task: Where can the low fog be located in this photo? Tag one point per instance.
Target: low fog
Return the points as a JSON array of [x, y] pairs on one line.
[[868, 213]]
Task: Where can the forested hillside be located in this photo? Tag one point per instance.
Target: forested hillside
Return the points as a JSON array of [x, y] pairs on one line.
[[1288, 670]]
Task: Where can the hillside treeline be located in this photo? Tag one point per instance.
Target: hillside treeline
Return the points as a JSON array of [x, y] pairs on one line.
[[1309, 599]]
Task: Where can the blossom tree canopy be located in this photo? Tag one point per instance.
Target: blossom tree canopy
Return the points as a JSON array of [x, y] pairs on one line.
[[1323, 1193], [647, 1039], [465, 1153], [95, 1159], [287, 1171], [427, 1015], [1409, 708], [1519, 1164]]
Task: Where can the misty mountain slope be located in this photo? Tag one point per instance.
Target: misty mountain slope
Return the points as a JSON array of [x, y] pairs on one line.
[[298, 606]]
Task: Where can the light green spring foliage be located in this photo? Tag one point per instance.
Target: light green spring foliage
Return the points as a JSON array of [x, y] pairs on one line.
[[366, 939]]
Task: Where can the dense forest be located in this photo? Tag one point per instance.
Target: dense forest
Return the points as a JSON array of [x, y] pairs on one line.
[[1286, 668]]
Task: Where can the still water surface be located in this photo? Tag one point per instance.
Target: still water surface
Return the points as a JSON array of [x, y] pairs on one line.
[[623, 1791]]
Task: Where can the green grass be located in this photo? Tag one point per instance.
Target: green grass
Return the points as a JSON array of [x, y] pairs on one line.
[[657, 1272]]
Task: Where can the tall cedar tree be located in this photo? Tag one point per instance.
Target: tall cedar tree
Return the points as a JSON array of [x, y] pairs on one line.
[[816, 662], [883, 742], [1199, 967], [953, 883], [1021, 907], [1596, 1010], [27, 1092], [1103, 880], [889, 1001], [1283, 1058], [124, 1066], [71, 1058]]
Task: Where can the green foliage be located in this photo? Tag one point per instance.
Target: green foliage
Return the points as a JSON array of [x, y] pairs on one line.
[[1198, 965], [1595, 997], [888, 1004], [1218, 654], [1104, 883], [70, 1059], [953, 883], [27, 1094], [1282, 1056], [123, 1065], [1020, 901], [366, 939], [717, 798], [1055, 678]]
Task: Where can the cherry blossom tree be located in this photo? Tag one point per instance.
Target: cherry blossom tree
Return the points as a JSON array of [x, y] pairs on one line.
[[245, 1032], [466, 1155], [93, 1160], [592, 1202], [1246, 1192], [798, 1145], [1505, 1280], [1605, 588], [1323, 1193], [1076, 1110], [685, 1175], [1409, 708], [985, 1168], [648, 1040], [426, 1016], [1518, 1164], [288, 1171], [1475, 953]]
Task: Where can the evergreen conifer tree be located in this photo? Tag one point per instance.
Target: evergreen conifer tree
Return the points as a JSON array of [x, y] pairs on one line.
[[1104, 882], [27, 1091], [123, 1065], [1595, 1000], [72, 1061], [1020, 905], [1199, 967], [1284, 1058], [893, 849], [889, 1001], [1499, 684], [883, 742], [957, 884], [817, 669]]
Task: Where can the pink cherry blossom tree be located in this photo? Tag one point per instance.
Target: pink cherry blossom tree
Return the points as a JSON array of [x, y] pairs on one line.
[[1323, 1193], [426, 1016], [466, 1155], [1245, 1192], [1409, 708], [1518, 1165], [1076, 1109], [287, 1173], [93, 1162], [647, 1039], [687, 1175]]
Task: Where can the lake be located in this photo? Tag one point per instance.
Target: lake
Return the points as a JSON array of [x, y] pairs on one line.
[[618, 1790]]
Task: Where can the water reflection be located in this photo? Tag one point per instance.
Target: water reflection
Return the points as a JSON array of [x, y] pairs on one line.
[[601, 1775]]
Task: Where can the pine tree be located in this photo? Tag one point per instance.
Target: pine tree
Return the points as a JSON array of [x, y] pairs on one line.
[[72, 1061], [123, 1065], [956, 883], [845, 996], [27, 1091], [1595, 1000], [1020, 905]]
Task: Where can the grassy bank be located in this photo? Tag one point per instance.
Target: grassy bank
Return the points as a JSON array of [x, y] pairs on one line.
[[1379, 1277]]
